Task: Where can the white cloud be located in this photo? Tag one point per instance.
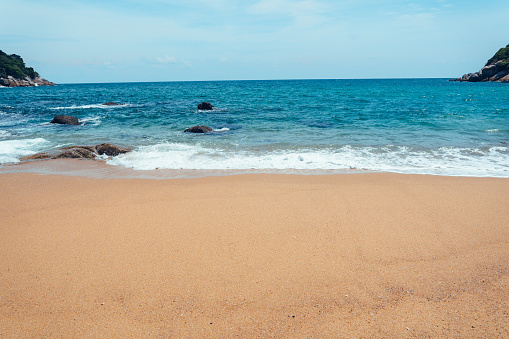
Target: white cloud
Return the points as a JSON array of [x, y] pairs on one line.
[[166, 59]]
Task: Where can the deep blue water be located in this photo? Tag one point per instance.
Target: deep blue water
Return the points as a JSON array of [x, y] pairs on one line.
[[430, 126]]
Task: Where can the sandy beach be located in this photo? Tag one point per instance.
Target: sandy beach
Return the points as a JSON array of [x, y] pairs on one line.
[[254, 256]]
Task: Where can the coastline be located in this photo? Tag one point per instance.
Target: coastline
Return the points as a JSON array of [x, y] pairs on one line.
[[373, 255], [97, 169]]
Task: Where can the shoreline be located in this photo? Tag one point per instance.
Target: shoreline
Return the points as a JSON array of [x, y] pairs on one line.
[[362, 255], [99, 169]]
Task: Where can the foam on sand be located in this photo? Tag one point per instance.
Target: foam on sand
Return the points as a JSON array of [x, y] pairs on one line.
[[454, 161]]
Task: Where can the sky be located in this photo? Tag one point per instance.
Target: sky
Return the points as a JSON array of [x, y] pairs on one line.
[[89, 41]]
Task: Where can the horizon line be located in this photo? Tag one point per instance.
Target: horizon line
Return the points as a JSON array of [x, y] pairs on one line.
[[218, 80]]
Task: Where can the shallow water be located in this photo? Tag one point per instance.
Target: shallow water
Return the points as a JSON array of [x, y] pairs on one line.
[[425, 126]]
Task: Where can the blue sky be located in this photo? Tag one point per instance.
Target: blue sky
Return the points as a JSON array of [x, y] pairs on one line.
[[165, 40]]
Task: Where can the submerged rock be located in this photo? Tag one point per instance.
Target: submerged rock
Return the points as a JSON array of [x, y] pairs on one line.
[[199, 129], [206, 106], [65, 120]]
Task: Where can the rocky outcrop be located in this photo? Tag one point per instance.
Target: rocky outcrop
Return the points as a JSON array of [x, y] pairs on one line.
[[65, 120], [496, 69], [487, 73], [15, 73], [110, 150], [206, 106], [76, 153], [199, 129], [27, 82], [80, 152]]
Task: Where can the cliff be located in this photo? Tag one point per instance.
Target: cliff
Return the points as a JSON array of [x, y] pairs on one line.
[[496, 69], [14, 73]]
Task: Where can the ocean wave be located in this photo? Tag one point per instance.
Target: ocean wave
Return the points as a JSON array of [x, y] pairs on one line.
[[12, 150], [449, 161], [224, 129], [95, 121], [215, 110], [102, 106], [4, 134]]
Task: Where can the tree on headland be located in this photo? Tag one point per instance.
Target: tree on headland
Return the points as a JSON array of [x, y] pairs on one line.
[[13, 65], [501, 55], [14, 73]]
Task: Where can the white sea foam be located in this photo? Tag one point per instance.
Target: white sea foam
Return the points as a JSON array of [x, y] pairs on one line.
[[4, 134], [12, 150], [79, 107], [91, 120], [492, 162], [90, 106]]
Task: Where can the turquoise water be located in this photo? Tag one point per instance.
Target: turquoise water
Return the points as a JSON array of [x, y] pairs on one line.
[[427, 126]]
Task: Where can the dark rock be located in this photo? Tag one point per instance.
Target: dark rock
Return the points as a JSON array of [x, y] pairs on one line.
[[89, 148], [206, 106], [499, 75], [474, 77], [489, 71], [65, 120], [76, 153], [111, 150], [113, 104], [199, 129]]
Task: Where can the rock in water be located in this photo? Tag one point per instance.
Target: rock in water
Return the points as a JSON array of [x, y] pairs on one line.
[[65, 120], [206, 106], [111, 150], [76, 153], [199, 129], [80, 152], [38, 156]]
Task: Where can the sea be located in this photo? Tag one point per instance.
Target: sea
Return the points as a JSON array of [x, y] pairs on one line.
[[415, 126]]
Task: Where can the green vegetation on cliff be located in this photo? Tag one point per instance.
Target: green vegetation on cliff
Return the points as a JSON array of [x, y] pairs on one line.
[[501, 55], [14, 66]]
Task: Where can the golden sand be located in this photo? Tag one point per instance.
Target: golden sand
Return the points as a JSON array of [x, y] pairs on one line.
[[254, 256]]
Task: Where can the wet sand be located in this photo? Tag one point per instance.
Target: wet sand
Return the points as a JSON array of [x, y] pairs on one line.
[[361, 255]]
